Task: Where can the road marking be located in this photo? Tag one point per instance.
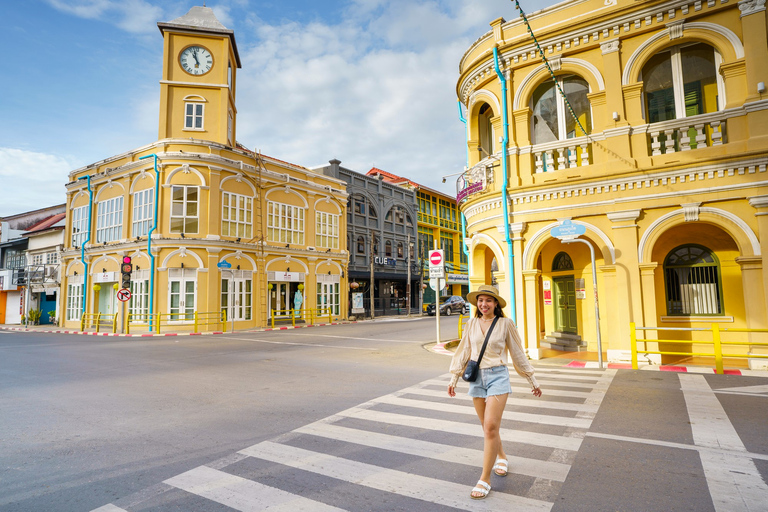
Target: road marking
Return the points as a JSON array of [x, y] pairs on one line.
[[301, 344], [724, 472], [537, 403], [361, 339], [109, 508], [443, 452], [681, 446], [389, 480], [744, 390], [561, 421], [467, 429], [242, 494]]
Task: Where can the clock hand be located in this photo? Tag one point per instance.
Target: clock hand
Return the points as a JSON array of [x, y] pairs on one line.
[[194, 54]]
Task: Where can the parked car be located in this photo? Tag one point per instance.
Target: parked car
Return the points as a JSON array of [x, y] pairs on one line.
[[449, 304]]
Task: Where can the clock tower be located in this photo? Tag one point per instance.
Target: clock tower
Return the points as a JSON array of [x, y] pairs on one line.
[[197, 91]]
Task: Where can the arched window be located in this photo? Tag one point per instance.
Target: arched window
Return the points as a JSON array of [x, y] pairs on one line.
[[485, 131], [400, 253], [562, 262], [692, 280], [388, 249], [552, 119], [360, 245], [681, 81]]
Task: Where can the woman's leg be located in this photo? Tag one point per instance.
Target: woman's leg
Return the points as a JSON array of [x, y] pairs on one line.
[[490, 413]]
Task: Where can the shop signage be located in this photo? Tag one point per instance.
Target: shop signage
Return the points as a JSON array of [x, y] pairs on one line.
[[471, 188], [357, 303], [293, 277], [382, 260], [104, 277], [457, 279]]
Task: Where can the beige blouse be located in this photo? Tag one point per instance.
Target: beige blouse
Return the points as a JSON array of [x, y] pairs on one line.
[[503, 338]]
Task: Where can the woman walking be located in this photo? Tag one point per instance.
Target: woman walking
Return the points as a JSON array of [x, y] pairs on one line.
[[490, 389]]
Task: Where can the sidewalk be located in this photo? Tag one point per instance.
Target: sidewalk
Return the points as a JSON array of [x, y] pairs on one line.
[[590, 360], [52, 329]]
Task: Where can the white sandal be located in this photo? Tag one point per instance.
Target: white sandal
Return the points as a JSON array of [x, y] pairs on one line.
[[501, 468], [482, 488]]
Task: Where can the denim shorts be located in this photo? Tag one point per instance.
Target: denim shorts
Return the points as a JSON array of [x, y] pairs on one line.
[[490, 382]]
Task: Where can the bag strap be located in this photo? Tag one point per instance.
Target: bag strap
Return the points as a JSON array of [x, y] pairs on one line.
[[485, 343]]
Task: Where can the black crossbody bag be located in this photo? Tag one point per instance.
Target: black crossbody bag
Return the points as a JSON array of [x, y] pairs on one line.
[[473, 367]]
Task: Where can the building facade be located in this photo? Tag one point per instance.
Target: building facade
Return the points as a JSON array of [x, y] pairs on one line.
[[210, 226], [648, 130], [439, 227], [30, 249], [381, 236]]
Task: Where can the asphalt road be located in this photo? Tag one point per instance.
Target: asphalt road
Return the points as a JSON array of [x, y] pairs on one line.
[[355, 417]]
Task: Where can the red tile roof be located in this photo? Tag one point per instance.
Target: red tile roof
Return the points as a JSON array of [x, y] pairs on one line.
[[46, 223]]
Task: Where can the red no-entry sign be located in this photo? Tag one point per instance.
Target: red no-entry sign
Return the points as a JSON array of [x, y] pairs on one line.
[[124, 295], [436, 257], [436, 264]]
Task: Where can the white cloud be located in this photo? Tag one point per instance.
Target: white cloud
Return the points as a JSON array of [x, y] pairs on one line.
[[376, 89], [135, 16], [31, 180]]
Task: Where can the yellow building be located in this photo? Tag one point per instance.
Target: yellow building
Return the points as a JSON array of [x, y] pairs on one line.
[[439, 227], [652, 138], [209, 225]]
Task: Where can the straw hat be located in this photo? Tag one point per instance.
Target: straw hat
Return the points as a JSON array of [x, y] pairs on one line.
[[489, 290]]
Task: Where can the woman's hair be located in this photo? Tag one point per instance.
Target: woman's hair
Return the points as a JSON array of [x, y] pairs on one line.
[[497, 311]]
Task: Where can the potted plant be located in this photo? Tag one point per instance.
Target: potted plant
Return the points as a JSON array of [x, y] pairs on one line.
[[52, 316], [34, 316]]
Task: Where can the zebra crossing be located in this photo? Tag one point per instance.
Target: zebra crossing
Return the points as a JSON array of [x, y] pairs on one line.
[[415, 449]]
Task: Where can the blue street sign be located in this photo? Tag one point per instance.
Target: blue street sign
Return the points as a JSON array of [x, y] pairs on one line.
[[567, 228], [224, 264]]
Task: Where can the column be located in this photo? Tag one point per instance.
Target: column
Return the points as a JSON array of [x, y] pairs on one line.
[[629, 307], [529, 326], [213, 227], [515, 231], [610, 323], [650, 318], [213, 281]]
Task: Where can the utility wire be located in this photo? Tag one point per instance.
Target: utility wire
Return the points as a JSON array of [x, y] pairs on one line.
[[559, 89]]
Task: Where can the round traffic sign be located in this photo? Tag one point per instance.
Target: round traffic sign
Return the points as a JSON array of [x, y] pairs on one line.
[[124, 295], [435, 258]]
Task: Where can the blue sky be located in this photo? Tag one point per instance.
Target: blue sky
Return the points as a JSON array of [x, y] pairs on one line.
[[369, 82]]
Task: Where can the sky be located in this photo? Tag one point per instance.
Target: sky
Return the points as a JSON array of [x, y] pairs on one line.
[[369, 82]]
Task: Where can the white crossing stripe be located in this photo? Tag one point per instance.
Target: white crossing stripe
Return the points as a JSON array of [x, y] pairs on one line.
[[398, 482], [467, 429], [109, 508], [537, 403], [561, 421], [242, 494], [517, 387], [735, 484], [745, 389], [444, 452]]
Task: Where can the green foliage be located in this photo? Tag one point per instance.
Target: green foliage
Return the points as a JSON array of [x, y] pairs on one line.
[[34, 316]]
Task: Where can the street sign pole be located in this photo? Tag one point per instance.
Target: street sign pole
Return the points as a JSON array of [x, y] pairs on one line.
[[437, 272], [567, 232]]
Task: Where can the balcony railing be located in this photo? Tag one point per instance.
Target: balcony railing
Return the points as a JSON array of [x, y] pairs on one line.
[[562, 154], [687, 134]]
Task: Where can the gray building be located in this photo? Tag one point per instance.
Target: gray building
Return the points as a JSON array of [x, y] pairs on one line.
[[381, 237]]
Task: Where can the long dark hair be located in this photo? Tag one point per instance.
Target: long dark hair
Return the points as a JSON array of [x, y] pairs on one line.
[[497, 311]]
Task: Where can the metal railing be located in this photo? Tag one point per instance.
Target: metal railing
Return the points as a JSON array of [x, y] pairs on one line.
[[302, 314], [95, 320], [717, 343], [463, 319], [155, 321]]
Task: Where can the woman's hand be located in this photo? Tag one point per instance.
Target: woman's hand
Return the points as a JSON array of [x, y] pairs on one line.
[[536, 391], [452, 391]]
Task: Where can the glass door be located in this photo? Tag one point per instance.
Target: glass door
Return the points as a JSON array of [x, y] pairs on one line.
[[181, 294]]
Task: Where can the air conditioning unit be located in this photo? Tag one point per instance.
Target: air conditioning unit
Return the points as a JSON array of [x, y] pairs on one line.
[[50, 272]]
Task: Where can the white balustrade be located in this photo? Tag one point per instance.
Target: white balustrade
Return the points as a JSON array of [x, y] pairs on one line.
[[677, 135], [560, 155]]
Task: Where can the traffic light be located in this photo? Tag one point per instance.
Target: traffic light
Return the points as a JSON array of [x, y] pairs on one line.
[[126, 268]]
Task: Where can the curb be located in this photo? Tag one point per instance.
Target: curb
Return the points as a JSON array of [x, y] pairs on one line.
[[667, 368], [150, 335]]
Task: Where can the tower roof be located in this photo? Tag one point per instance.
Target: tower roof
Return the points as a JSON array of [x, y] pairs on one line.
[[201, 19]]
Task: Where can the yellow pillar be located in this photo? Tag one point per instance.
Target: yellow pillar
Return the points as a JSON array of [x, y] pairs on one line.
[[213, 297], [629, 306], [610, 325], [650, 318], [528, 326]]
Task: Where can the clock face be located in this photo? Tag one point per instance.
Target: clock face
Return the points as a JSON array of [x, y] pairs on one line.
[[196, 60]]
